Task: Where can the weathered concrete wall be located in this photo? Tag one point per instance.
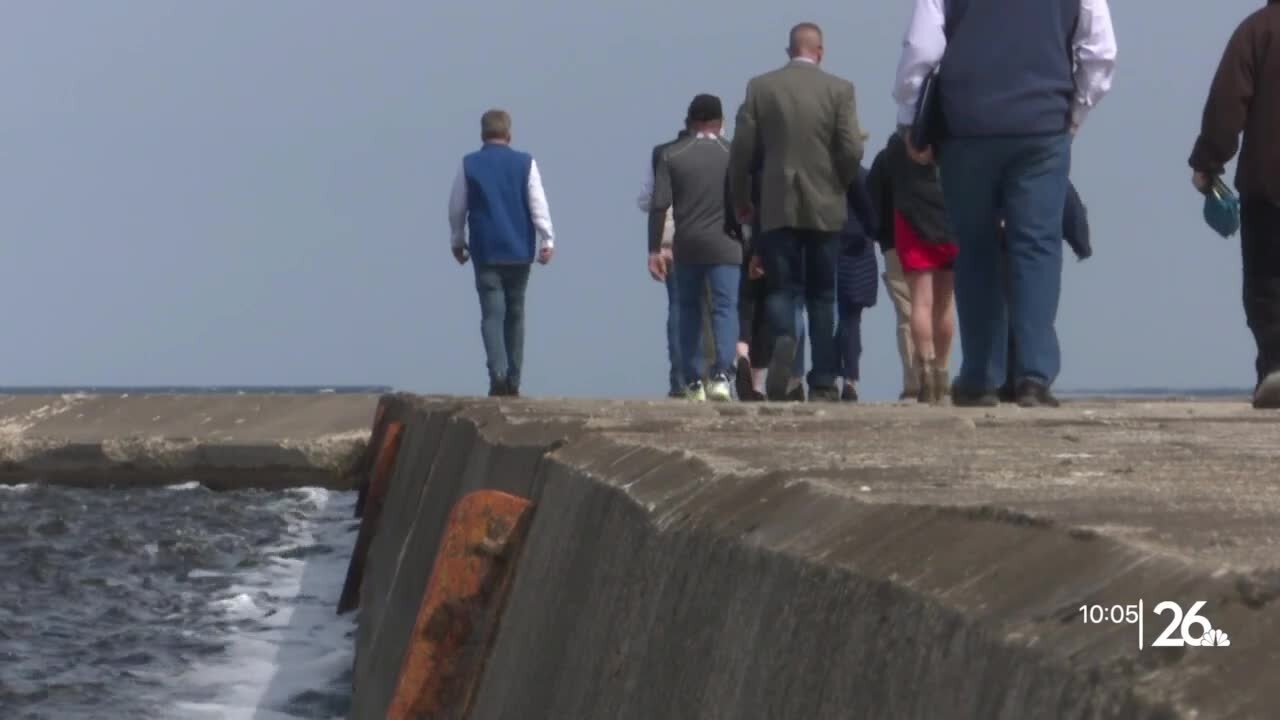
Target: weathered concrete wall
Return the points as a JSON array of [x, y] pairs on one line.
[[876, 562], [220, 440]]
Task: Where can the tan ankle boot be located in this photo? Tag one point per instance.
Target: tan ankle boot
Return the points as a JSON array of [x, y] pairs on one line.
[[942, 381], [928, 389]]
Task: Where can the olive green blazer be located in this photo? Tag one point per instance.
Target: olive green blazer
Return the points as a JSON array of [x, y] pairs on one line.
[[804, 122]]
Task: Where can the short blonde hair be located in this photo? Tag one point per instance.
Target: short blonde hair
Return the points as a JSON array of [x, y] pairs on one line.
[[495, 125]]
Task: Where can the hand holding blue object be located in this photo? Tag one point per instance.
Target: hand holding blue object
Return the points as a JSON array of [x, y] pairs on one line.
[[1221, 208]]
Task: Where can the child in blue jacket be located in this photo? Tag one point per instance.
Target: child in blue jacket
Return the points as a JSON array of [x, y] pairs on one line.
[[857, 281]]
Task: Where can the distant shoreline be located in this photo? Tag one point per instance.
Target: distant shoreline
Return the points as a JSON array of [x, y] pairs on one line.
[[1112, 393], [196, 390]]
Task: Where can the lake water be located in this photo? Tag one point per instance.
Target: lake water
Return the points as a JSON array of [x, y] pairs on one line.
[[175, 603]]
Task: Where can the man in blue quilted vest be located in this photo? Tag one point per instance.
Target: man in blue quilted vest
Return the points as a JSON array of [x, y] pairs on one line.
[[499, 219], [1016, 80]]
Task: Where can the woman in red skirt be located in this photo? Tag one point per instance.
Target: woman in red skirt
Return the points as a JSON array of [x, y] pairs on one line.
[[924, 243]]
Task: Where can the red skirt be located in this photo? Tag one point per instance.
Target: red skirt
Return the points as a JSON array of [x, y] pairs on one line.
[[918, 254]]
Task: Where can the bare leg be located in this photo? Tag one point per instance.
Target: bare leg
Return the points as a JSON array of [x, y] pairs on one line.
[[922, 332], [921, 285], [944, 323]]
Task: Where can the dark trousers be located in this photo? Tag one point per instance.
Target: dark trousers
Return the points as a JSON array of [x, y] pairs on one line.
[[802, 264], [501, 289], [676, 376], [1027, 176], [753, 324], [849, 338], [1260, 256]]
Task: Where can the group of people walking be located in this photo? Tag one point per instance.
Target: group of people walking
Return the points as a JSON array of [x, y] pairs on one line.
[[758, 236]]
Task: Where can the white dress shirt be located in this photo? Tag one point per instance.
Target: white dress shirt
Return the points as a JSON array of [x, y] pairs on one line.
[[1094, 46], [539, 210], [646, 197]]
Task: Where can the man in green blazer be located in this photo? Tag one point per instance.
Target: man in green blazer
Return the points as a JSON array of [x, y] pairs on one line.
[[803, 121]]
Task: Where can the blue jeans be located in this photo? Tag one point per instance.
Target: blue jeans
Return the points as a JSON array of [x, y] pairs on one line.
[[800, 266], [501, 289], [723, 283], [676, 376], [1027, 177]]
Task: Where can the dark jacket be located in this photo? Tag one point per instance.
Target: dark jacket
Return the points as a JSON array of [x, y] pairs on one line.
[[881, 196], [857, 273], [1245, 97], [731, 225], [901, 184], [660, 147], [1075, 225]]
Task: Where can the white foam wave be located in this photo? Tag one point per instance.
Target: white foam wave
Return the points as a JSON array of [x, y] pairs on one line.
[[288, 639]]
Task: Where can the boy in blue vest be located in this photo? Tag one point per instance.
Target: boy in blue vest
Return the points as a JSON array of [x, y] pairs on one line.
[[499, 218]]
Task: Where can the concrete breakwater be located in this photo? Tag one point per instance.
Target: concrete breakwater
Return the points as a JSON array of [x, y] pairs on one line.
[[575, 559], [223, 441]]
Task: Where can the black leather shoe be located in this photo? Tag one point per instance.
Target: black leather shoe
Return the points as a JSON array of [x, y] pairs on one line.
[[965, 397], [824, 394], [1267, 395], [1007, 394], [795, 394], [849, 394], [1034, 394], [743, 383], [775, 384]]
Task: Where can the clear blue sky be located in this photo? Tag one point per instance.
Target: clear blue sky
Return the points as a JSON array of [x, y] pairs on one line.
[[254, 192]]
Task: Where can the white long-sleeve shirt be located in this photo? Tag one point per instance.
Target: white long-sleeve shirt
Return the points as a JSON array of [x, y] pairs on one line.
[[539, 210], [1094, 46], [646, 197]]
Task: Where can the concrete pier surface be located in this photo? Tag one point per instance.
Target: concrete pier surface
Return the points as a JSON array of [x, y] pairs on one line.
[[827, 561], [224, 441]]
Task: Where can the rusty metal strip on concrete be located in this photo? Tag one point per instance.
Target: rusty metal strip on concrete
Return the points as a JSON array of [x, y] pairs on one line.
[[379, 481], [460, 610]]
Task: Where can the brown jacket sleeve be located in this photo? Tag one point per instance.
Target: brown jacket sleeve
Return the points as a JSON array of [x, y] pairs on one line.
[[1227, 109]]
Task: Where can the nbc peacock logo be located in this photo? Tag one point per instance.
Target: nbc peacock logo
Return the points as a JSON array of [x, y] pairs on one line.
[[1215, 638]]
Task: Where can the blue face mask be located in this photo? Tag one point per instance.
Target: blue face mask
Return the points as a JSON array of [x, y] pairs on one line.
[[1222, 209]]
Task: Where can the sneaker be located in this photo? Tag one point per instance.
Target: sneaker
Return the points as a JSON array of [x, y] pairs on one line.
[[1034, 394], [849, 394], [795, 394], [908, 394], [779, 379], [695, 392], [497, 388], [719, 390], [1267, 396]]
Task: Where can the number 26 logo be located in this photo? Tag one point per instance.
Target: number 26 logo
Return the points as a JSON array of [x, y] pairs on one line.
[[1195, 628]]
